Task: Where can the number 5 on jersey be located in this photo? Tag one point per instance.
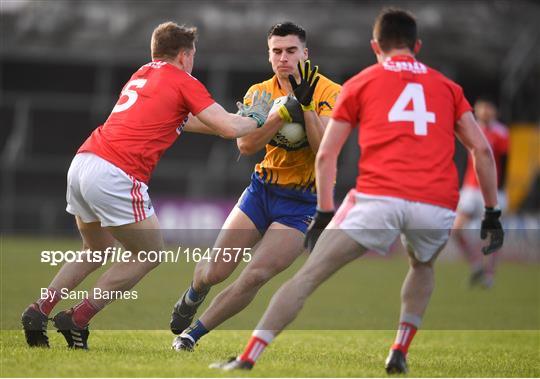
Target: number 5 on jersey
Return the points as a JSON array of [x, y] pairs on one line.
[[418, 115], [131, 94]]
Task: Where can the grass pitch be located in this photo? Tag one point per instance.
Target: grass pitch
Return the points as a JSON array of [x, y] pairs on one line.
[[293, 354], [345, 329]]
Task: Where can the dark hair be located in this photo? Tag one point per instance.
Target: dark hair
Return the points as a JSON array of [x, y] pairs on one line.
[[394, 29], [286, 28], [169, 38]]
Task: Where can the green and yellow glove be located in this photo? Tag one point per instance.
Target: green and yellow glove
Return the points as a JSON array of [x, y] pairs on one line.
[[258, 109]]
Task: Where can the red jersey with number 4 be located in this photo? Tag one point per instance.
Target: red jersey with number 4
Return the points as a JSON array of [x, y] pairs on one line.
[[407, 113], [148, 117], [498, 138]]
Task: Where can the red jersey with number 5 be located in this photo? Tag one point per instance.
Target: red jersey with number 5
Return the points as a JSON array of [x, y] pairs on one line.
[[148, 117], [407, 113]]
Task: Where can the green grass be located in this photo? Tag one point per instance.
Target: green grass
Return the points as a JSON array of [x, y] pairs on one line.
[[345, 329], [293, 354]]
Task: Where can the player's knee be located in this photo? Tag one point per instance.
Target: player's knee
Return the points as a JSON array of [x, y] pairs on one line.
[[254, 278], [457, 233], [306, 280], [211, 275], [417, 264]]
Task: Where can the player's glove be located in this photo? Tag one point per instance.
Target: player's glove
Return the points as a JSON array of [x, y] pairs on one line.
[[319, 223], [308, 82], [291, 111], [259, 108], [492, 226]]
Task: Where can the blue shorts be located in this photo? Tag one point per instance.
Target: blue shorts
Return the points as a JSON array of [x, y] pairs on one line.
[[268, 203]]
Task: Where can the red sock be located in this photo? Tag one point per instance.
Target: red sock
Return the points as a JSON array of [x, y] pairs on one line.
[[47, 303], [253, 349], [83, 312], [404, 337]]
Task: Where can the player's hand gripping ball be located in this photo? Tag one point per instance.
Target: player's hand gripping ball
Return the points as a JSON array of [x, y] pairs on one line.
[[293, 133]]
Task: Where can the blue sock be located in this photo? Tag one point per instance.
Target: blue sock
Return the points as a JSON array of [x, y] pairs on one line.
[[194, 296], [197, 331]]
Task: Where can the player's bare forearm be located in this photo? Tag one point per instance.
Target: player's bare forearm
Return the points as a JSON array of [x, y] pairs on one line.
[[470, 134], [242, 125], [325, 174], [315, 126], [484, 165], [228, 125], [194, 125], [257, 140], [334, 138]]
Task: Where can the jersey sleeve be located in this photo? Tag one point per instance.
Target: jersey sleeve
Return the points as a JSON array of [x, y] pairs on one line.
[[461, 105], [346, 108], [327, 102], [196, 96]]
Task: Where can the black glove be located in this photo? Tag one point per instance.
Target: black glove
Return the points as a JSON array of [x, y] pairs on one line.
[[320, 221], [290, 110], [492, 226], [308, 81]]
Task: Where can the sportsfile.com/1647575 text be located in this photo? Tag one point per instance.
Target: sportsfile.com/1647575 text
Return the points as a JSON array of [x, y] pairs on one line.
[[119, 255]]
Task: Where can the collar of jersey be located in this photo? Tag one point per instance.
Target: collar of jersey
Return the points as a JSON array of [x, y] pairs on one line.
[[167, 64], [276, 84], [401, 58]]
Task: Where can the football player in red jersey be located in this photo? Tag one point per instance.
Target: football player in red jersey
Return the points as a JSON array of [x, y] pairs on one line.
[[107, 189], [471, 203], [407, 184]]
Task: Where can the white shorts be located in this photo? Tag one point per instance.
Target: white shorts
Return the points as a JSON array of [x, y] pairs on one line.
[[97, 190], [376, 221], [471, 202]]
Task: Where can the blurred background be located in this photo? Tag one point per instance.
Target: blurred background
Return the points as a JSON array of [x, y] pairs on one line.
[[64, 63]]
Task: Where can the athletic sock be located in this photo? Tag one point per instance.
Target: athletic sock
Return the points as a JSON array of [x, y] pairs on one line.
[[83, 313], [46, 304], [256, 345], [193, 297], [196, 331], [404, 337], [408, 325]]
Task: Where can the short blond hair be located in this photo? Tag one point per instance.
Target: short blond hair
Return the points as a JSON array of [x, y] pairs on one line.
[[169, 38]]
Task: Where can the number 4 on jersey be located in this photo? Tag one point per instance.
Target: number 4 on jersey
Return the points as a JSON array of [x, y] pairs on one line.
[[418, 115]]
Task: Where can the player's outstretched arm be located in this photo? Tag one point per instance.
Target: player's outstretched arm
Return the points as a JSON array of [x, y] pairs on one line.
[[194, 125], [230, 125], [226, 124]]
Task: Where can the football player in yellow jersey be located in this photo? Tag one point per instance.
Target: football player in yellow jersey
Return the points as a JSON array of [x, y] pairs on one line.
[[277, 207]]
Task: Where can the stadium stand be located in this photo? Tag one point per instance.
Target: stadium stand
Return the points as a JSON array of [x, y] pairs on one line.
[[62, 65]]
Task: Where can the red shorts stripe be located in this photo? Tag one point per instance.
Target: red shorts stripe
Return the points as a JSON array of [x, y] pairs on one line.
[[141, 201], [133, 199]]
